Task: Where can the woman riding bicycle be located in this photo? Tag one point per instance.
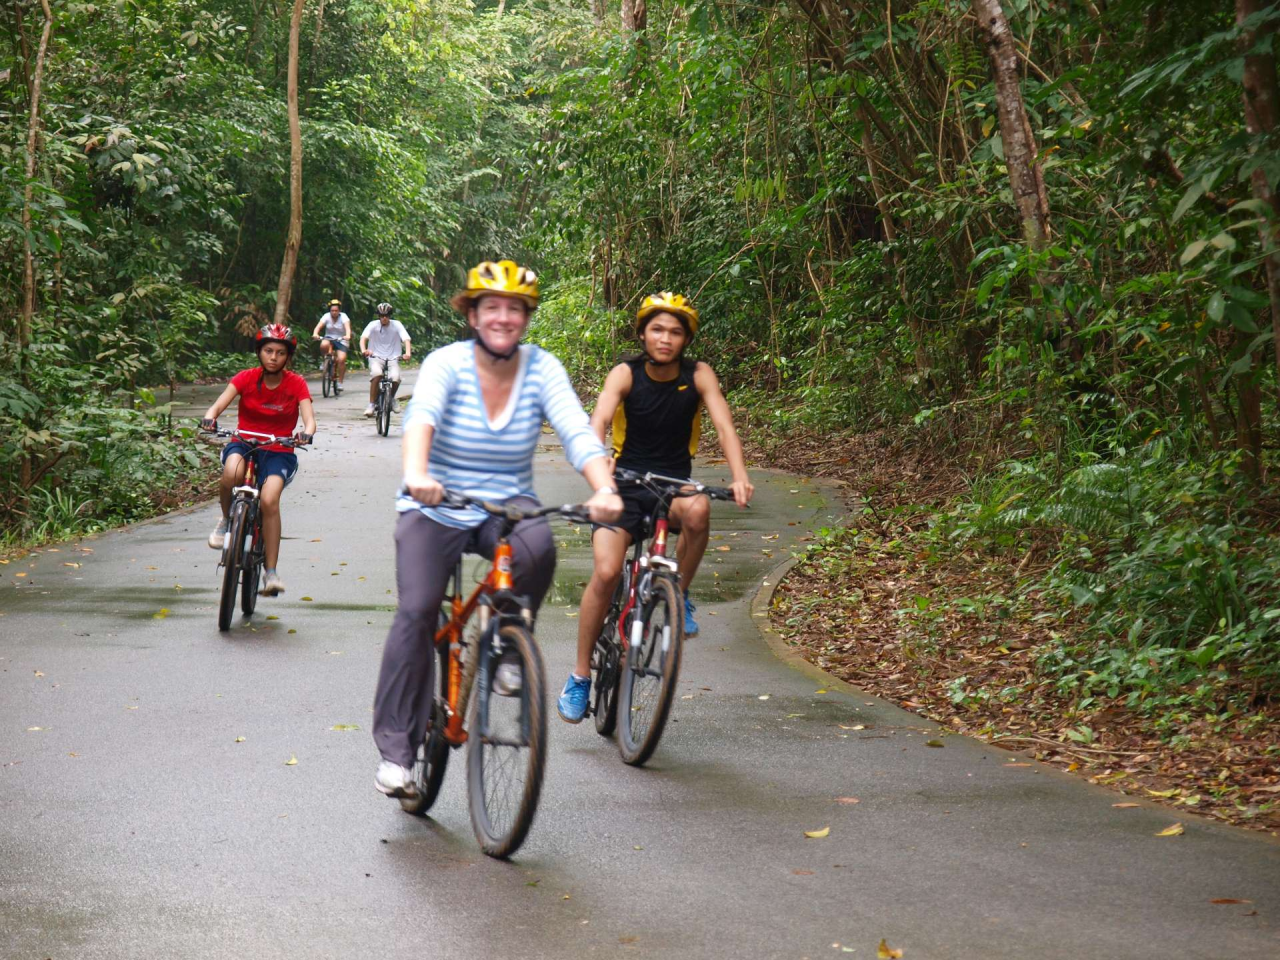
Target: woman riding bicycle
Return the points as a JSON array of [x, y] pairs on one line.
[[473, 426], [271, 400], [336, 338]]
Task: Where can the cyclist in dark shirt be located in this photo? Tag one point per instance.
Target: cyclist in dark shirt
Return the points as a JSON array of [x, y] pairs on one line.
[[654, 404]]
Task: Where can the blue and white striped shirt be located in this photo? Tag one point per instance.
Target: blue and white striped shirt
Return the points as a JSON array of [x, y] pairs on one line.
[[492, 459]]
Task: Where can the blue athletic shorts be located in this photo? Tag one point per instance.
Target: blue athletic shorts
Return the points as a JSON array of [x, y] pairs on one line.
[[271, 463], [342, 345]]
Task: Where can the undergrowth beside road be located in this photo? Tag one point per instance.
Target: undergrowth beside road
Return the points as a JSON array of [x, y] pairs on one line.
[[1121, 625]]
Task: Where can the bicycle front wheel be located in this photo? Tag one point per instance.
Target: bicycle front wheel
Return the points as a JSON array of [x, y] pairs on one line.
[[252, 576], [433, 752], [648, 682], [232, 555], [507, 743], [326, 376], [384, 413]]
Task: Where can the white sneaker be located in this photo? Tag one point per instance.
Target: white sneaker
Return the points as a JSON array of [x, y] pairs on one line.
[[273, 586], [394, 780], [218, 539], [507, 679], [368, 411]]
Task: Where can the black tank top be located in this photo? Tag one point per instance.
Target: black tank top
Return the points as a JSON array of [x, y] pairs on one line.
[[656, 427]]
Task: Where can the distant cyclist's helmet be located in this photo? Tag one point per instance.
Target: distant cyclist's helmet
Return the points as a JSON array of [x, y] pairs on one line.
[[667, 302], [506, 278], [335, 303], [384, 309], [277, 333]]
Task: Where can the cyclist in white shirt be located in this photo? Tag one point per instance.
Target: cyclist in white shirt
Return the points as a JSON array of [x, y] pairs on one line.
[[334, 333], [381, 343]]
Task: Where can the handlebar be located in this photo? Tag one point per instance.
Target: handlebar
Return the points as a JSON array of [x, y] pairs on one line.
[[255, 439], [570, 511], [671, 486]]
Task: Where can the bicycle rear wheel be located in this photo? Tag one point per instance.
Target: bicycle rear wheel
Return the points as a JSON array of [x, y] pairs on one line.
[[433, 752], [506, 746], [604, 667], [232, 555], [648, 681]]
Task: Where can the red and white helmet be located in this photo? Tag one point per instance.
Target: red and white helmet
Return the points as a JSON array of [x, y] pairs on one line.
[[277, 333]]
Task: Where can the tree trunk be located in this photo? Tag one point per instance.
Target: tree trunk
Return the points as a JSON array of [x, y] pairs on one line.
[[635, 15], [597, 11], [1025, 174], [294, 239], [33, 142], [1260, 109]]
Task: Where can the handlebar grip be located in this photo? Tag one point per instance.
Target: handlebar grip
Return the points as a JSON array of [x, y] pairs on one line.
[[718, 493]]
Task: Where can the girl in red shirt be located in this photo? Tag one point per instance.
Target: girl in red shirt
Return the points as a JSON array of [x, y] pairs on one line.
[[271, 400]]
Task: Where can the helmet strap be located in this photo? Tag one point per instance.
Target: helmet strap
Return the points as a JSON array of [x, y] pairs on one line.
[[494, 353]]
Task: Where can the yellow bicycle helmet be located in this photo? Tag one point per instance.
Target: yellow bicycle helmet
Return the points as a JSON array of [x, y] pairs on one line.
[[505, 277], [668, 302]]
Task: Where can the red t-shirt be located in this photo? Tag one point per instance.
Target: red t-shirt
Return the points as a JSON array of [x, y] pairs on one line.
[[263, 410]]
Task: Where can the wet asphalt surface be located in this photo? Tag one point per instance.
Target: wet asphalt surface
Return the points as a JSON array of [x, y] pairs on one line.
[[133, 824]]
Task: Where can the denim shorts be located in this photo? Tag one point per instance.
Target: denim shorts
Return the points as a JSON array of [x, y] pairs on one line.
[[342, 345], [271, 463]]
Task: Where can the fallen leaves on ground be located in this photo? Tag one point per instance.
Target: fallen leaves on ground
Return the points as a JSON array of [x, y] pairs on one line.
[[344, 726], [1174, 830], [160, 614], [817, 834], [238, 740], [859, 620], [291, 762], [1126, 806], [1222, 900], [848, 800], [306, 599], [886, 952]]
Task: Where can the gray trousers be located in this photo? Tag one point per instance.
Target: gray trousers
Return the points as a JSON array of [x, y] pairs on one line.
[[426, 553]]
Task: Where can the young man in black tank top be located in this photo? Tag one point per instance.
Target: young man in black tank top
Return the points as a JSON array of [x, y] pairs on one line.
[[654, 404]]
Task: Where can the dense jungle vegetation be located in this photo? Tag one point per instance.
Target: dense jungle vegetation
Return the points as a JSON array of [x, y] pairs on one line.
[[1035, 237]]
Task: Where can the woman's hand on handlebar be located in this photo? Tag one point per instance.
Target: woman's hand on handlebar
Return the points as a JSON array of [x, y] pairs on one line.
[[604, 507], [742, 491], [302, 439], [424, 489], [209, 424]]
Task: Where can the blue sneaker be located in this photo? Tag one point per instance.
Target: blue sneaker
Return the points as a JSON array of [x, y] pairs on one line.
[[573, 699], [690, 624]]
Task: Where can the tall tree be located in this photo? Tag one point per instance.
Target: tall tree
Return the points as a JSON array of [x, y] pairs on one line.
[[33, 142], [1260, 115], [294, 240], [635, 15], [1025, 173]]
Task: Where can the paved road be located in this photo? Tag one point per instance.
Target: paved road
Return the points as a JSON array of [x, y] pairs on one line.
[[132, 824]]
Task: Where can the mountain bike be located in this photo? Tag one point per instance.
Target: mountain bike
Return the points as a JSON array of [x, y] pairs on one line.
[[505, 731], [329, 369], [243, 551], [386, 401], [636, 660]]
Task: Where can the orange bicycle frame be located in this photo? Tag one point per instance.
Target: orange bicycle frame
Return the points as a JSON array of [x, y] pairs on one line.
[[498, 578]]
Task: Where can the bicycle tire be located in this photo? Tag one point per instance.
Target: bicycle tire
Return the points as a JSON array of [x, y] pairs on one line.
[[433, 752], [501, 832], [231, 565], [640, 724], [604, 667], [384, 412], [326, 375], [251, 579]]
